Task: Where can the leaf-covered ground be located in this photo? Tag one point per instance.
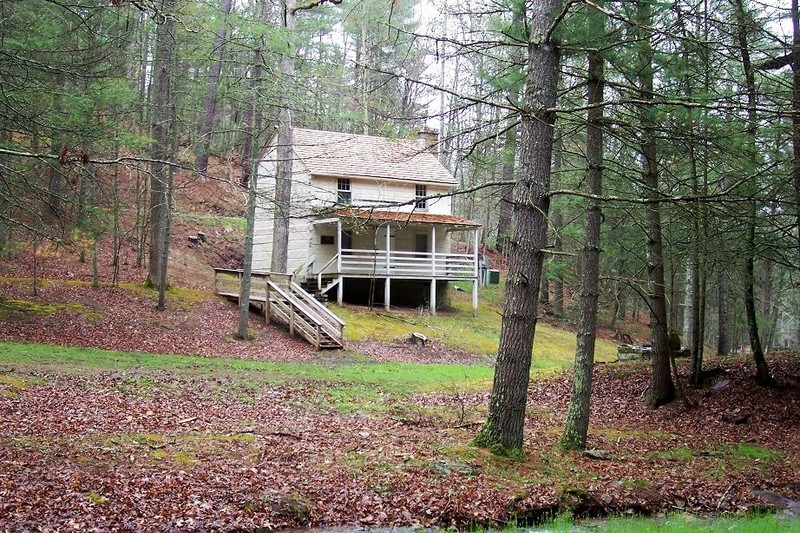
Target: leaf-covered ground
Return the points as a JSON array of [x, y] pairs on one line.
[[133, 447]]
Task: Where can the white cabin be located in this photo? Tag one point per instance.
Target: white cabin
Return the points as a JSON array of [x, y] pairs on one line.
[[370, 216]]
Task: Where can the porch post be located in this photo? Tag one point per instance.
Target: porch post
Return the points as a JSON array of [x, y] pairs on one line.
[[475, 297], [387, 285], [475, 281], [388, 247], [433, 251], [433, 297], [340, 285]]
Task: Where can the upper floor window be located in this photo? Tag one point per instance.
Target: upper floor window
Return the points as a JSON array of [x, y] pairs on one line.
[[421, 193], [344, 195]]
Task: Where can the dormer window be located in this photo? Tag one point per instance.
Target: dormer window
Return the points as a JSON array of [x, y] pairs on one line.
[[421, 193], [344, 195]]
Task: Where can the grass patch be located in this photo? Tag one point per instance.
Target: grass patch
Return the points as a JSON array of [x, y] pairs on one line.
[[355, 398], [180, 297], [399, 378], [618, 435], [208, 222], [751, 452], [553, 348], [679, 453], [687, 524], [15, 309], [11, 386]]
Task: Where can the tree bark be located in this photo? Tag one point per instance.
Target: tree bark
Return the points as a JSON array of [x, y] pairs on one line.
[[283, 178], [254, 147], [763, 376], [662, 389], [163, 65], [503, 431], [723, 326], [210, 100], [557, 219], [796, 115], [507, 192], [577, 427]]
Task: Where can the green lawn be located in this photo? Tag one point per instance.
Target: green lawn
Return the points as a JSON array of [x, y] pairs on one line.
[[553, 348], [392, 377]]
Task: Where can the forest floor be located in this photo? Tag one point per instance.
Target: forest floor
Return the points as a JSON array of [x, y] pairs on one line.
[[226, 434], [267, 433]]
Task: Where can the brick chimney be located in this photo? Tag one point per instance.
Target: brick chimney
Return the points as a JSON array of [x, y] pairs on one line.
[[428, 140]]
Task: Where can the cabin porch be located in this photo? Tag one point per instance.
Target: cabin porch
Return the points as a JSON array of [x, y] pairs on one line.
[[398, 250]]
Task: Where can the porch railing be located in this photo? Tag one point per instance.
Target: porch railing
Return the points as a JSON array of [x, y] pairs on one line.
[[406, 264]]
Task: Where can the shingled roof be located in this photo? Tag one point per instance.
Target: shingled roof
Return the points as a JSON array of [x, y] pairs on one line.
[[327, 153]]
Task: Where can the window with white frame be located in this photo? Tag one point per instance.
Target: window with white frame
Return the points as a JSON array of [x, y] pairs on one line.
[[343, 192], [421, 193]]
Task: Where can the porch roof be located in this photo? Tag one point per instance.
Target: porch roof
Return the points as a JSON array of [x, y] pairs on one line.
[[414, 217]]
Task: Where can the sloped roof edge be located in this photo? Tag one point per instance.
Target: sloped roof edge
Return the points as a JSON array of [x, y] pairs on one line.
[[414, 217]]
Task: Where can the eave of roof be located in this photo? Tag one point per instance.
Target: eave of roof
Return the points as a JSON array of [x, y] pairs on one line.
[[414, 217]]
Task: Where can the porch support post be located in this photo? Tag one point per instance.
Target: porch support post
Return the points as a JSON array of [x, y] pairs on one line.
[[475, 297], [388, 249], [476, 271], [340, 285], [433, 297], [433, 251], [387, 293]]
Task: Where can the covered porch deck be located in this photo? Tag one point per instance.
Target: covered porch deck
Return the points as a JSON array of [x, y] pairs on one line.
[[404, 246]]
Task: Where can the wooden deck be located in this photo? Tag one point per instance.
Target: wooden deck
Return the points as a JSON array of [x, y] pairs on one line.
[[278, 296]]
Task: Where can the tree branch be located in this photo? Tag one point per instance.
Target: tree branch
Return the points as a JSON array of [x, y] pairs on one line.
[[311, 4]]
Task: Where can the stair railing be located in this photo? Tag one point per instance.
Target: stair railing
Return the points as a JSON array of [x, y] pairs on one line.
[[331, 261], [335, 325], [303, 268], [308, 324]]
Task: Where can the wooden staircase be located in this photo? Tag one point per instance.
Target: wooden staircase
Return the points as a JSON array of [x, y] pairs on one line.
[[320, 285], [278, 296]]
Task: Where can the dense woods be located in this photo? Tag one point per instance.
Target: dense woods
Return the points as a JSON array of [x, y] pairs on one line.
[[670, 129]]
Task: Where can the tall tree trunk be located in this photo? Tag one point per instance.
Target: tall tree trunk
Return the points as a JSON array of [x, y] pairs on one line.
[[662, 389], [210, 100], [283, 178], [796, 116], [254, 136], [577, 426], [503, 430], [557, 218], [160, 149], [763, 376], [507, 192], [248, 157], [723, 327]]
